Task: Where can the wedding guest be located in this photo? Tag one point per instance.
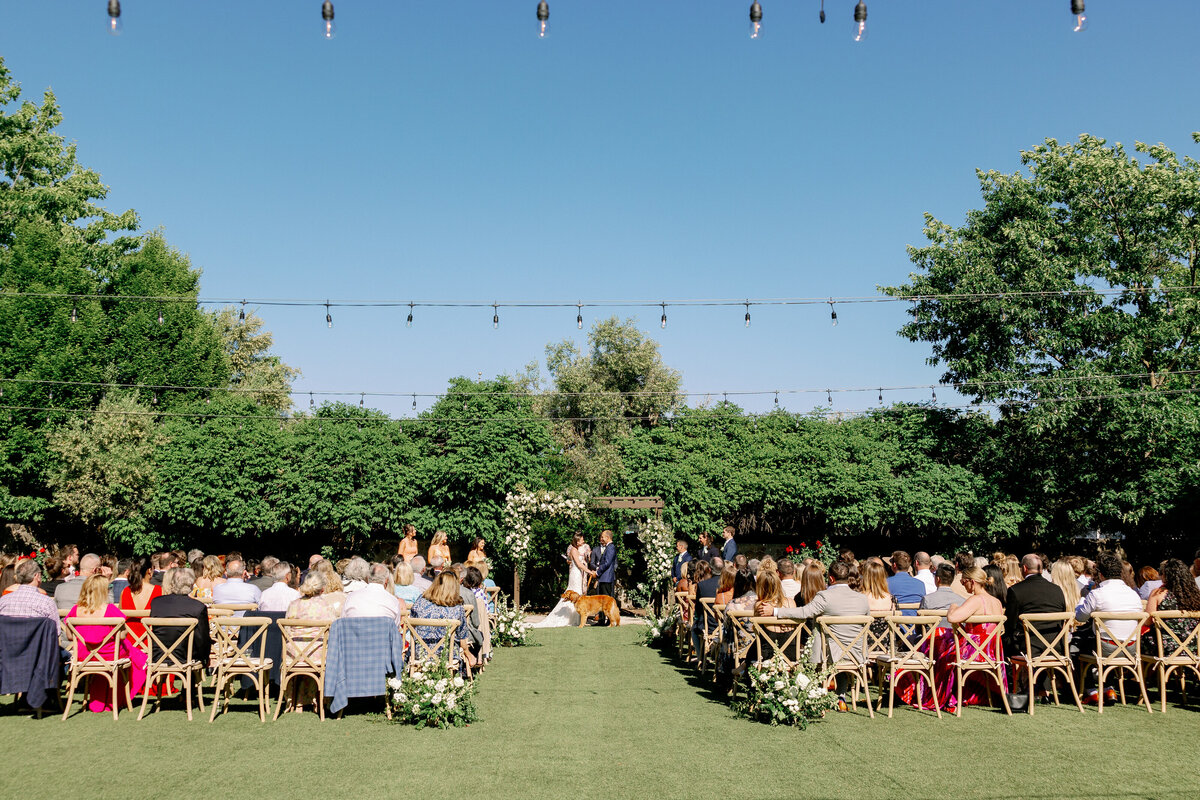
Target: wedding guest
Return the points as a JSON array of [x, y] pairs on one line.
[[729, 549], [264, 579], [355, 574], [26, 598], [138, 594], [321, 598], [442, 601], [787, 578], [419, 579], [93, 601], [280, 594], [1178, 592], [1112, 594], [682, 556], [1127, 575], [8, 577], [767, 564], [408, 543], [962, 560], [744, 597], [488, 583], [234, 588], [1062, 575], [769, 592], [59, 573], [943, 596], [67, 594], [708, 550], [1079, 565], [176, 602], [1012, 571], [902, 586], [1150, 581], [982, 602], [374, 598], [1033, 594], [924, 574], [212, 576], [438, 548], [121, 579], [725, 586], [873, 585], [402, 584], [812, 582], [476, 553], [472, 581], [998, 586]]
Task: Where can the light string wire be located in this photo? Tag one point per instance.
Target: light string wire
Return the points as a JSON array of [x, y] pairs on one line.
[[1066, 378], [661, 419]]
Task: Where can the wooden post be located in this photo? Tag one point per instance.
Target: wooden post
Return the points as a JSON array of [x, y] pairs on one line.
[[516, 587]]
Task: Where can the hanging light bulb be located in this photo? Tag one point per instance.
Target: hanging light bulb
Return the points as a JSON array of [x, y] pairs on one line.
[[408, 322], [414, 401], [822, 16], [662, 323], [114, 17], [1080, 18], [329, 30], [829, 396], [755, 20], [361, 399], [160, 316], [777, 399], [579, 316], [74, 313], [933, 393], [495, 317], [860, 21], [543, 15], [880, 395], [832, 313], [328, 316], [747, 315], [311, 403]]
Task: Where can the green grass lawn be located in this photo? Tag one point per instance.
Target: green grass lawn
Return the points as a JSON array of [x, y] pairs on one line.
[[591, 714]]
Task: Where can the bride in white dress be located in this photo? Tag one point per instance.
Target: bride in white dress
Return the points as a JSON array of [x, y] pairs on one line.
[[564, 613]]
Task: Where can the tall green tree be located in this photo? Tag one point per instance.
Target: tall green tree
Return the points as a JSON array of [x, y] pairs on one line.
[[255, 372]]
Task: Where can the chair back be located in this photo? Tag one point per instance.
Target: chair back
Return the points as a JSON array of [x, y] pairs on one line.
[[92, 657], [1128, 650], [161, 655], [857, 645], [710, 621], [139, 640], [305, 643], [879, 644], [766, 645], [1055, 650], [423, 651], [233, 607], [911, 639], [982, 655], [235, 654], [1172, 649], [743, 633], [493, 593]]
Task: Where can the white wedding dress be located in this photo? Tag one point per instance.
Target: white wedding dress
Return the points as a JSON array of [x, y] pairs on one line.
[[564, 614]]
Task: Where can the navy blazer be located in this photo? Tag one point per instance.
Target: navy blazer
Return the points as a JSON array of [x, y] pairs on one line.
[[677, 562], [729, 549], [606, 565]]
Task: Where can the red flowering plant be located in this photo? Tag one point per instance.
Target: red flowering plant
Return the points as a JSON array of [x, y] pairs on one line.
[[820, 549]]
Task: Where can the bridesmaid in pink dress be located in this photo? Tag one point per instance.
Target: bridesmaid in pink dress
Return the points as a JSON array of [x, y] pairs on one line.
[[93, 602]]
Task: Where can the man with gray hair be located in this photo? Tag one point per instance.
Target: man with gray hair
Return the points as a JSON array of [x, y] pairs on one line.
[[419, 579], [26, 599], [67, 594], [265, 580], [924, 570], [375, 598], [235, 589], [175, 602], [280, 594], [356, 575]]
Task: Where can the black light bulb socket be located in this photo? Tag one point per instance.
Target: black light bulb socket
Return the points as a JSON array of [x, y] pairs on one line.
[[543, 11], [755, 12], [114, 8], [860, 11], [822, 16], [327, 10], [1077, 7]]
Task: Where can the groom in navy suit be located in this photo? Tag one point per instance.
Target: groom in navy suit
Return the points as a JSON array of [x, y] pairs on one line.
[[604, 566]]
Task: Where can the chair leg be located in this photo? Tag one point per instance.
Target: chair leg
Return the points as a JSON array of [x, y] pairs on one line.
[[1100, 675], [866, 684], [1145, 698], [151, 679], [116, 679], [958, 674], [1033, 673], [1004, 694], [1121, 684], [937, 704], [218, 685], [74, 680], [283, 682]]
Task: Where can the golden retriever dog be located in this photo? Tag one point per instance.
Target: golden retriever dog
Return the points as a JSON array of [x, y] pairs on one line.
[[592, 605]]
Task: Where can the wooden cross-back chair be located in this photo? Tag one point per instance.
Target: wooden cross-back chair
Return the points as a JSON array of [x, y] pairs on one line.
[[1055, 655], [742, 640], [93, 663], [140, 641], [161, 660], [238, 660], [910, 651], [421, 651], [985, 657], [853, 659], [683, 625], [710, 629], [789, 644], [493, 598], [305, 647], [1174, 654], [234, 607], [1126, 658]]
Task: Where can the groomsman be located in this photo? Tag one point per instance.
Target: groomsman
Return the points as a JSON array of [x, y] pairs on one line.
[[708, 551], [682, 556], [729, 550], [604, 564]]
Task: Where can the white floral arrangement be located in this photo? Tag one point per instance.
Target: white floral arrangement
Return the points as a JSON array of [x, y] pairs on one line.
[[784, 695], [432, 695], [658, 630], [509, 628], [520, 509], [658, 546]]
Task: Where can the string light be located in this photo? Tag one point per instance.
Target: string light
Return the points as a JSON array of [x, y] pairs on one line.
[[160, 315], [115, 26], [495, 316], [328, 316], [408, 322], [663, 322], [880, 395], [822, 15], [242, 312], [829, 396], [747, 315], [777, 399], [755, 20], [579, 316], [860, 21], [74, 313], [1077, 10], [362, 399], [311, 402], [414, 401], [328, 29], [933, 393], [543, 17], [832, 312]]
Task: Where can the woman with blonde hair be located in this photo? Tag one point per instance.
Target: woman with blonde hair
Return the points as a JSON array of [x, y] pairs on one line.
[[725, 587], [334, 588], [443, 600], [402, 584], [93, 602], [316, 602], [769, 589], [768, 564], [211, 576], [439, 548], [1012, 571], [1062, 575]]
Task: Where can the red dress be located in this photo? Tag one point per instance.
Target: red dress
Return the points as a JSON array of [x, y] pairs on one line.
[[137, 630]]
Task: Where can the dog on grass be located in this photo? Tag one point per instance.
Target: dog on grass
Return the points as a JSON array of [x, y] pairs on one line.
[[593, 604]]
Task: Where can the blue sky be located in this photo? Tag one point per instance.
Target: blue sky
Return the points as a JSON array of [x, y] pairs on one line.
[[644, 151]]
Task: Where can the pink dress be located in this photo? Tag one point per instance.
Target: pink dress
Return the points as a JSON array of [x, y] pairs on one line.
[[99, 690], [976, 685]]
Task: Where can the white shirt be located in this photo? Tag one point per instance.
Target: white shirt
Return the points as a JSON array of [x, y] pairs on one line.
[[926, 577], [1111, 595], [791, 587], [277, 597], [373, 600], [353, 586], [236, 590]]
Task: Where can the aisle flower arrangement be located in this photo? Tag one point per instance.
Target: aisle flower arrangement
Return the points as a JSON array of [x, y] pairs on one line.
[[784, 695], [520, 509], [435, 695], [658, 545], [821, 550], [658, 630], [509, 629]]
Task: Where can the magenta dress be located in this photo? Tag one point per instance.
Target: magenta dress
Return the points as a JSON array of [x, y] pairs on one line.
[[976, 685], [99, 691]]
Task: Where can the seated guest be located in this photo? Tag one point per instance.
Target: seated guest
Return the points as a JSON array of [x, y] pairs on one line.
[[333, 584], [280, 594], [1012, 571], [67, 594], [26, 599], [962, 560], [725, 584], [488, 583], [837, 600], [442, 601], [1032, 595], [768, 592], [733, 637], [59, 573], [212, 575], [474, 623], [903, 587], [265, 579], [374, 599], [706, 589], [1150, 581], [356, 574], [943, 596], [419, 579], [1112, 594], [235, 589], [472, 581], [924, 565], [998, 585], [8, 578], [1177, 593], [177, 602], [121, 579], [1080, 566], [94, 602], [812, 581], [321, 598], [139, 593], [402, 584], [873, 584]]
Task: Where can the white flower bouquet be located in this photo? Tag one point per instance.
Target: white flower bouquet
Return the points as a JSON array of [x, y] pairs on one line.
[[783, 695], [432, 695], [509, 628]]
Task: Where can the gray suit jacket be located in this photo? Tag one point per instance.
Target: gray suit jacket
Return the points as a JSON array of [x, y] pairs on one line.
[[838, 600], [942, 598], [67, 594]]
